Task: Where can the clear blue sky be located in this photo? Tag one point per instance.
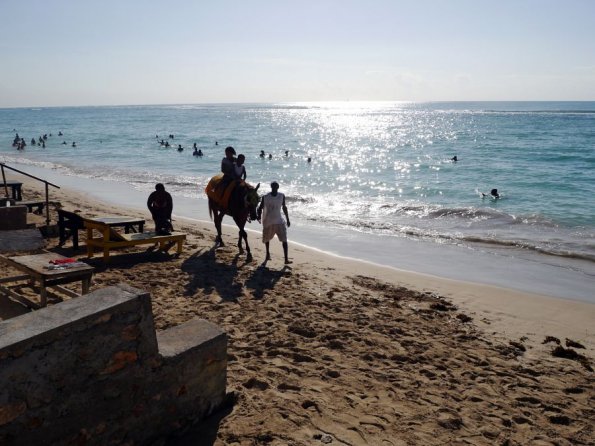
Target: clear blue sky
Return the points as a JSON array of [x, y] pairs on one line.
[[89, 52]]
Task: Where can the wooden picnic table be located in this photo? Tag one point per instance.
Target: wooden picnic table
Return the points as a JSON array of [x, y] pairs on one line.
[[38, 271], [109, 239], [75, 222], [16, 186], [128, 223]]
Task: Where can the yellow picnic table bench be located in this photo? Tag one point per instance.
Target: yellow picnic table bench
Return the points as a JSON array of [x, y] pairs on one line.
[[110, 239], [69, 223]]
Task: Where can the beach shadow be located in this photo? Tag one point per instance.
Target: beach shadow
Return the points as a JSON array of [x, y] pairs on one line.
[[204, 433], [120, 260], [69, 251], [264, 279], [210, 275]]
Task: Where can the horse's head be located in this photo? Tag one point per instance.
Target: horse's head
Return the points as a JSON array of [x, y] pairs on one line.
[[251, 199]]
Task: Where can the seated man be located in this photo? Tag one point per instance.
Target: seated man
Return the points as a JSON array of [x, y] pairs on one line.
[[161, 205]]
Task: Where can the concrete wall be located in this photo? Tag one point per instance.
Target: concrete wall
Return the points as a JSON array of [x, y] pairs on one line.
[[13, 217], [92, 370]]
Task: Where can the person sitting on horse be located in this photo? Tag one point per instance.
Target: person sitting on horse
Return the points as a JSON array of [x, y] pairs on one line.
[[223, 188], [161, 206], [228, 166], [239, 168]]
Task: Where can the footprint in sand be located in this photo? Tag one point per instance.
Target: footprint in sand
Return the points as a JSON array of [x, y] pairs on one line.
[[332, 373], [450, 421], [298, 357], [309, 404], [560, 419], [305, 332], [521, 420], [254, 383], [574, 390], [285, 386], [464, 318], [529, 401]]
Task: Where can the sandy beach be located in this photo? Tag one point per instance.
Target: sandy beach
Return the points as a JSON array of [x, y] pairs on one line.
[[328, 350]]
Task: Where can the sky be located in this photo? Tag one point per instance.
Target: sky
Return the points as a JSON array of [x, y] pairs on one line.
[[124, 52]]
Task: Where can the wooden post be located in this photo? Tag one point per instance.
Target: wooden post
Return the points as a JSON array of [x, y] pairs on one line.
[[47, 205], [4, 181]]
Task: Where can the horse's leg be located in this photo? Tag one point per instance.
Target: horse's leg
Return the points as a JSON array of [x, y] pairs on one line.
[[249, 254], [243, 235], [218, 218], [240, 236]]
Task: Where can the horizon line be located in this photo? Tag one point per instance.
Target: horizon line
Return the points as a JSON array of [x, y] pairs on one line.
[[292, 102]]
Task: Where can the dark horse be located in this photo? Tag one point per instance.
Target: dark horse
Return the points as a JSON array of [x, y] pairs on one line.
[[242, 208]]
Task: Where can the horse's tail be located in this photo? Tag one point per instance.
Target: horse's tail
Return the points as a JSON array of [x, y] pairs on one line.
[[210, 190]]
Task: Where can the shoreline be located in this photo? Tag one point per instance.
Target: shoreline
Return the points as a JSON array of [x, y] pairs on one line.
[[525, 272], [511, 312], [334, 350]]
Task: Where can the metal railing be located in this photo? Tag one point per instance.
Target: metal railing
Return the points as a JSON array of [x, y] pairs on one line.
[[47, 184]]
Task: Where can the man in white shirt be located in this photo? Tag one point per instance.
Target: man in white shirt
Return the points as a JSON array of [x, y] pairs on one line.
[[272, 221]]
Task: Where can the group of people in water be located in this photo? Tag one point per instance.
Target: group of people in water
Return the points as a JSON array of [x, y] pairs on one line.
[[199, 153], [196, 151], [20, 142]]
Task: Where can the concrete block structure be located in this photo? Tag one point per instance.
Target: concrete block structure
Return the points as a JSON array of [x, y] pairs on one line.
[[93, 371], [13, 217]]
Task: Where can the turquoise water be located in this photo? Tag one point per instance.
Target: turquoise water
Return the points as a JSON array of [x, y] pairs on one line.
[[382, 169]]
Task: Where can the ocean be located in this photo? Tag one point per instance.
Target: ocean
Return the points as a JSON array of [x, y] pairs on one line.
[[381, 176]]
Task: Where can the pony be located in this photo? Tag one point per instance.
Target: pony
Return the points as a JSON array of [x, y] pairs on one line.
[[241, 207]]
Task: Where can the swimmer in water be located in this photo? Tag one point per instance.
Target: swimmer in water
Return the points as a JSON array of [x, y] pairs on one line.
[[493, 194]]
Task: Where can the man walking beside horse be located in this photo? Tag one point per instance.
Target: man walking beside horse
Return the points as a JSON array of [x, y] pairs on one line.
[[272, 221]]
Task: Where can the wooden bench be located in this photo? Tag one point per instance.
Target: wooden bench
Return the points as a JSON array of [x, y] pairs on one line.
[[110, 239], [37, 206], [69, 223]]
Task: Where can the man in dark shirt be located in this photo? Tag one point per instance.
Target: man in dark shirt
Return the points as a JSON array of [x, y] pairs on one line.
[[161, 205]]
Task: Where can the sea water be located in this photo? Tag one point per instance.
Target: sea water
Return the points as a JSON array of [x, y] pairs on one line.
[[373, 175]]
